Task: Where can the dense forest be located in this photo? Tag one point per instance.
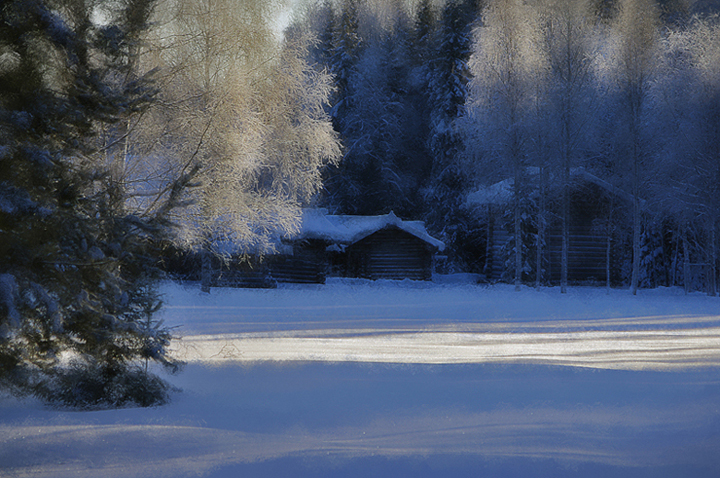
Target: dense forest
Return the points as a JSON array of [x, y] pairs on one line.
[[434, 100]]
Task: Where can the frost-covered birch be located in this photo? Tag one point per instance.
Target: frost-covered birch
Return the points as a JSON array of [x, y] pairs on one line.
[[688, 169], [633, 45], [505, 61], [244, 111]]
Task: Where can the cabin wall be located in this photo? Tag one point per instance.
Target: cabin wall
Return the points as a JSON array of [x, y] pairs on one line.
[[586, 256], [587, 250], [307, 265], [240, 271], [240, 274], [390, 254]]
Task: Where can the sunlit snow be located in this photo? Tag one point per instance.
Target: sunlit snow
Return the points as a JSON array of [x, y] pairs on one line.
[[357, 378]]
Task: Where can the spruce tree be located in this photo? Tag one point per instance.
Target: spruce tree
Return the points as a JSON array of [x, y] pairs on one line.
[[371, 114], [77, 272], [447, 78]]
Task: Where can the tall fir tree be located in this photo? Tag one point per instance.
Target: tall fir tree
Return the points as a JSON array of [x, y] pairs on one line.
[[447, 80], [76, 269], [342, 55], [375, 114]]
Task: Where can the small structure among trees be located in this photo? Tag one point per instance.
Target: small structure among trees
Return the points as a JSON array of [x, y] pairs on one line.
[[597, 242], [372, 247]]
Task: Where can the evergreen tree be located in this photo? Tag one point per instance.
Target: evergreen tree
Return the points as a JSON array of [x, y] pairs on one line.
[[375, 114], [344, 53], [346, 49], [371, 128], [76, 268], [424, 31], [447, 85]]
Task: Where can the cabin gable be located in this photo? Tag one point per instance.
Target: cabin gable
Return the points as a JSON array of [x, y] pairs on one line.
[[390, 253], [596, 207]]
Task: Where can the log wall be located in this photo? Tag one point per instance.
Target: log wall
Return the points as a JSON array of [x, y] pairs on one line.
[[390, 253]]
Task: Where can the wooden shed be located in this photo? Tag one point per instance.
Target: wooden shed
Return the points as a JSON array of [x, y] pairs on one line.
[[372, 247], [594, 205], [307, 264], [391, 253]]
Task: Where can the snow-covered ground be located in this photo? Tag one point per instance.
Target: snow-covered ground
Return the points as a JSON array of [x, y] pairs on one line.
[[446, 322], [359, 378]]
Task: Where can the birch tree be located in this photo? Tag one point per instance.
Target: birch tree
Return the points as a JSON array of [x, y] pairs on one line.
[[246, 113], [634, 42], [568, 31], [688, 168], [504, 63]]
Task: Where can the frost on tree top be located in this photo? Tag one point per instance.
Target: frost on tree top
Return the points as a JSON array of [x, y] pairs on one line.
[[346, 229]]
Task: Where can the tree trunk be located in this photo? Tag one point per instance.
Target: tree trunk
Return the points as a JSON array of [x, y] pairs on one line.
[[712, 288], [665, 258], [686, 260], [540, 232], [518, 186], [635, 100], [609, 231], [607, 265], [488, 269], [205, 270], [518, 242], [675, 244], [636, 246], [565, 229]]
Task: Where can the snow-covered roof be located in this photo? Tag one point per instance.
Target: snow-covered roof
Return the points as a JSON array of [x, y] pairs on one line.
[[495, 194], [346, 229], [502, 192]]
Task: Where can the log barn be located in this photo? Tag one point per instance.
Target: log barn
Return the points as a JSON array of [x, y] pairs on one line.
[[596, 207], [371, 247]]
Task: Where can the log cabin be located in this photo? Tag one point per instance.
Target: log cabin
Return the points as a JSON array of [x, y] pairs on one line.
[[598, 211], [371, 247]]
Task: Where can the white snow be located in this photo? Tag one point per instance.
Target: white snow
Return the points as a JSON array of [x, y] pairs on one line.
[[348, 229], [454, 300], [402, 378], [442, 323], [498, 194]]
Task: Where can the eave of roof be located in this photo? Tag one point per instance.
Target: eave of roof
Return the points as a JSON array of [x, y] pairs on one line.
[[501, 193], [347, 229]]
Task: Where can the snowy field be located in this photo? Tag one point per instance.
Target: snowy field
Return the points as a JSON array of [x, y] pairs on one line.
[[359, 378], [444, 323]]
